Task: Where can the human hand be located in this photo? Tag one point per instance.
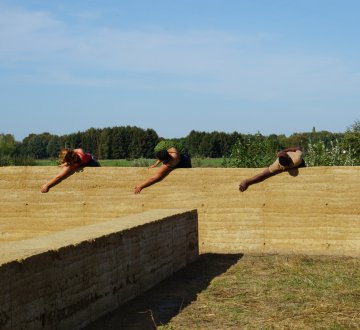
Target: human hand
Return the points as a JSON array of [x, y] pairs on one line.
[[137, 190], [44, 188], [243, 186], [152, 166]]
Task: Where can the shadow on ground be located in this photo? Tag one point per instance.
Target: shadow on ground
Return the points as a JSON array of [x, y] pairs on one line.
[[157, 306]]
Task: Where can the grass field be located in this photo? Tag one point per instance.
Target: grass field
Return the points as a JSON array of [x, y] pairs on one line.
[[142, 162], [249, 292]]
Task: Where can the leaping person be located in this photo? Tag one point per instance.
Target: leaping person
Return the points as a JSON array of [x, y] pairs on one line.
[[286, 159]]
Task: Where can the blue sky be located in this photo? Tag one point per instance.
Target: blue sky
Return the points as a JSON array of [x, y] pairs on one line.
[[269, 66]]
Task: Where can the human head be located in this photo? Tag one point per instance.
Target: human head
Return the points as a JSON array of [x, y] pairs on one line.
[[68, 156], [163, 155], [284, 159]]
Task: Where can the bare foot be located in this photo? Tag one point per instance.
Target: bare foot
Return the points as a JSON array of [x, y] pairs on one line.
[[243, 186]]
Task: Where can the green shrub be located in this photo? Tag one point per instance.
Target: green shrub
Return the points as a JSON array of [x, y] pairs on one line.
[[336, 154], [252, 151], [259, 151], [6, 160]]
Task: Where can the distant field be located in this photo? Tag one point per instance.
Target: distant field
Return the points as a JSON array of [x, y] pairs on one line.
[[142, 162]]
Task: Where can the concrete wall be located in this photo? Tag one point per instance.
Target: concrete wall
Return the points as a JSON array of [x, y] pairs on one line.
[[67, 279], [315, 212]]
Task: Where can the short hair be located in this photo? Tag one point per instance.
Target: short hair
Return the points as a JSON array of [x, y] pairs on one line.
[[163, 155]]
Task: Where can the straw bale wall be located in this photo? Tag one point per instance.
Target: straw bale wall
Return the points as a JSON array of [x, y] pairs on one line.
[[67, 279], [314, 211]]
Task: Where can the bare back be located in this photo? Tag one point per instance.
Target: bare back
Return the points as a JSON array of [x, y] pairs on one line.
[[175, 158]]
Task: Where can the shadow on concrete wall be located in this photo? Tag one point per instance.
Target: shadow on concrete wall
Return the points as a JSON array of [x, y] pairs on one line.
[[158, 305]]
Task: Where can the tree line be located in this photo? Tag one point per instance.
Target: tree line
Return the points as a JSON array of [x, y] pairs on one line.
[[237, 149]]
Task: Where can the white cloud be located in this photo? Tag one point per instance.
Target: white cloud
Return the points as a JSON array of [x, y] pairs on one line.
[[254, 67], [25, 35]]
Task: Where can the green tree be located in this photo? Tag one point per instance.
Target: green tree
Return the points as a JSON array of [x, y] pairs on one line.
[[355, 127], [37, 145], [72, 141], [7, 149], [193, 141], [137, 143], [90, 140], [54, 146], [7, 145], [105, 144], [120, 142], [152, 140]]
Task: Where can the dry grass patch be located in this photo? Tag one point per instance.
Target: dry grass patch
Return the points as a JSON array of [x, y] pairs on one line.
[[272, 291], [249, 292]]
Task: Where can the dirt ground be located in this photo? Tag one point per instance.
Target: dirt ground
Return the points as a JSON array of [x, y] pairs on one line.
[[248, 292]]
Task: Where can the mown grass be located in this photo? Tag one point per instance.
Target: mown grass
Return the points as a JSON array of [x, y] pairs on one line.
[[224, 291], [141, 162], [278, 292]]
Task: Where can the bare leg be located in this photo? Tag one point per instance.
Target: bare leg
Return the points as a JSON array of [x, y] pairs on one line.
[[256, 179]]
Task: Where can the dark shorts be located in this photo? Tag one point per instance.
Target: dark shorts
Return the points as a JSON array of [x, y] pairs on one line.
[[302, 164], [92, 163], [185, 162]]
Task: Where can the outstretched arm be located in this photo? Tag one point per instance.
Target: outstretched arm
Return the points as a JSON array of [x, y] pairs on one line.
[[155, 164], [256, 179], [158, 176], [63, 174]]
